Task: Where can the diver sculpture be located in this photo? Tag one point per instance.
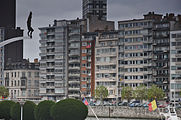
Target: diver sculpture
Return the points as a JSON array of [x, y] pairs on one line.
[[30, 29]]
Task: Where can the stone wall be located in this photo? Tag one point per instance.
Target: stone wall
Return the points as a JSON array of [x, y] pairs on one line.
[[125, 112]]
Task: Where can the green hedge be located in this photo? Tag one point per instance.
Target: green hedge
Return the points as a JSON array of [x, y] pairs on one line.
[[42, 111], [69, 109], [16, 111], [5, 108], [28, 110]]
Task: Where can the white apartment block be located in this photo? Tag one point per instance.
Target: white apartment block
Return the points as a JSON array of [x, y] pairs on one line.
[[106, 62], [135, 52], [175, 65]]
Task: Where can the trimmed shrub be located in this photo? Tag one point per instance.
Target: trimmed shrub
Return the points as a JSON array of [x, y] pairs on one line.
[[69, 109], [16, 111], [28, 110], [5, 108], [42, 111]]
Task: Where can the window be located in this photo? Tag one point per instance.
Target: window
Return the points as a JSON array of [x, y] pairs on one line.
[[173, 35], [84, 51], [29, 74], [84, 43], [84, 58], [23, 74]]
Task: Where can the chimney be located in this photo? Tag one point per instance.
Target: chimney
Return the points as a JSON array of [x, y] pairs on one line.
[[36, 60]]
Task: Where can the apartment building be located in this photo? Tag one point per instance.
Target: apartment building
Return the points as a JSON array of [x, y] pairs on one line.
[[94, 7], [144, 47], [88, 64], [135, 52], [76, 28], [60, 59], [106, 62], [175, 65], [22, 80], [161, 50]]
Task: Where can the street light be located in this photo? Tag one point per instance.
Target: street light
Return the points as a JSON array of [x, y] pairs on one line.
[[21, 104]]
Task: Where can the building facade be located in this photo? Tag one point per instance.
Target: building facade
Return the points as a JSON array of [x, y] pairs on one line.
[[60, 59], [88, 64], [144, 46], [22, 80], [135, 52], [94, 7], [175, 65], [106, 62]]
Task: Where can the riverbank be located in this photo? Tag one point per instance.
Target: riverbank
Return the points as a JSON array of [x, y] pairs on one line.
[[93, 118], [125, 112]]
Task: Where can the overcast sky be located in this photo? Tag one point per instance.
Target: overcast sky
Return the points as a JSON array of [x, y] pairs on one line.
[[46, 11]]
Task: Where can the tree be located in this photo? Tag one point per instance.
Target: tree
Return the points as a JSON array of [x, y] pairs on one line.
[[127, 93], [16, 111], [140, 93], [101, 93], [42, 111], [4, 92], [69, 109], [155, 93], [5, 108], [28, 110]]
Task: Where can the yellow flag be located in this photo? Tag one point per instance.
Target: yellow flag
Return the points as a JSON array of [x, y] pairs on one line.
[[153, 104]]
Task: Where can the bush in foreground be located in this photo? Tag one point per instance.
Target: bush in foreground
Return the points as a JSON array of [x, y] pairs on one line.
[[16, 111], [5, 108], [69, 109], [28, 110], [42, 111]]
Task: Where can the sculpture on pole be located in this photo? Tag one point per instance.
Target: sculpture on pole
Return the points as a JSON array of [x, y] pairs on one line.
[[30, 29]]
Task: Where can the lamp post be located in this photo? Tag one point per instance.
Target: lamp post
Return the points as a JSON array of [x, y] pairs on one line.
[[21, 104]]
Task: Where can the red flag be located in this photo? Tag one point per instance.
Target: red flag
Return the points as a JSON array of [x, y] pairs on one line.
[[150, 107], [89, 46], [85, 101]]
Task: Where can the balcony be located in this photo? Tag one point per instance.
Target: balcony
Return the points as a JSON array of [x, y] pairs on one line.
[[75, 95], [74, 53], [42, 54], [50, 80], [74, 82], [74, 88], [42, 41], [74, 61], [50, 87], [50, 40], [74, 67], [74, 40], [50, 53], [50, 60], [74, 75]]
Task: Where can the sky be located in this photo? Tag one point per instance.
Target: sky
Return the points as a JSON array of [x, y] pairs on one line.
[[46, 11]]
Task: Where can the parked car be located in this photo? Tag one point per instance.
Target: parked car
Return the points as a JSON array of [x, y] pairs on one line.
[[132, 105], [161, 105], [107, 104], [123, 104]]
